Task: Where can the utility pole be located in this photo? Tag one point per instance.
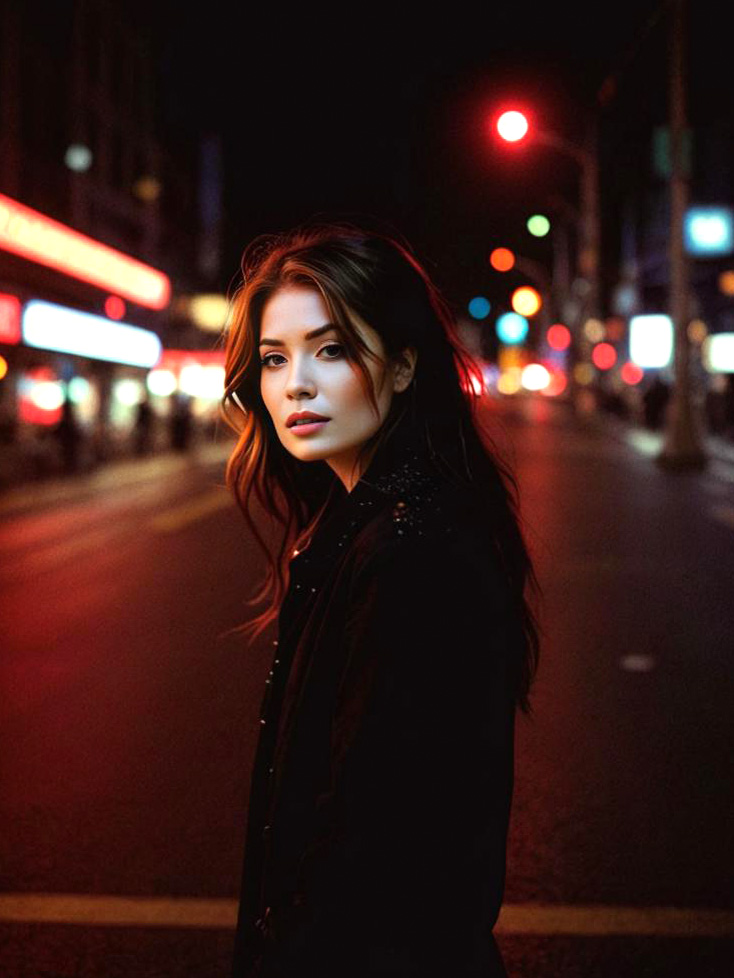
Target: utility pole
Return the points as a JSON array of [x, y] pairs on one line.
[[589, 242], [682, 449], [591, 221]]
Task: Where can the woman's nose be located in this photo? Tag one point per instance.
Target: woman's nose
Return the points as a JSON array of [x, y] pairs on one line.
[[300, 380]]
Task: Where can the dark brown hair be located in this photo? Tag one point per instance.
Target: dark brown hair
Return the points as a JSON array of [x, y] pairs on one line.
[[370, 276]]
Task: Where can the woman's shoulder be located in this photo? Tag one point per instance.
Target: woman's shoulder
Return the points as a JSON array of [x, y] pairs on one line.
[[439, 531]]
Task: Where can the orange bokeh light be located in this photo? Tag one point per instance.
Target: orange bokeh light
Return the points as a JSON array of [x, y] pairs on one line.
[[502, 259], [526, 301]]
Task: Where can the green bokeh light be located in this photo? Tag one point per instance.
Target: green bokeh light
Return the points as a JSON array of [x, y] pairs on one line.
[[539, 225]]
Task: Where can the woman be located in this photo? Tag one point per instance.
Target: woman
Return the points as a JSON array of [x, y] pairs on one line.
[[381, 791]]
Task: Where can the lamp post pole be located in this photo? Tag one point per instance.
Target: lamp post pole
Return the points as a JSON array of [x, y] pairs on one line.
[[681, 440], [589, 238]]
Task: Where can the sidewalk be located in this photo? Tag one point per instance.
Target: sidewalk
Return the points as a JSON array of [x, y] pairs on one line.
[[128, 471], [650, 442]]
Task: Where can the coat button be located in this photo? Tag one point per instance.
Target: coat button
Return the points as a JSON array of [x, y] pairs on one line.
[[266, 829]]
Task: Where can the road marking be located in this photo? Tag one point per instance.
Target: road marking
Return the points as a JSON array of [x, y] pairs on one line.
[[192, 510], [115, 530], [57, 553], [647, 443], [637, 662], [518, 918], [118, 911], [111, 476], [607, 920]]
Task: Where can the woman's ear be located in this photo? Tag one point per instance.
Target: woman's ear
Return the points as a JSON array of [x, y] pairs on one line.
[[404, 368]]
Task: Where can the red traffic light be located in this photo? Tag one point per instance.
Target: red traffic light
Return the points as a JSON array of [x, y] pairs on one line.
[[512, 125]]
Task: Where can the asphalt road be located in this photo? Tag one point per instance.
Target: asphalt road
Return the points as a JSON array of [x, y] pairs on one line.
[[130, 715]]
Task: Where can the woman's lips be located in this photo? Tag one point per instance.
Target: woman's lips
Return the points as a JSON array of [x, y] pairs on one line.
[[307, 429]]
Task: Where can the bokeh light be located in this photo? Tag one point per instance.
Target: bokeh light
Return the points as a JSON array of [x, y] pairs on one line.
[[479, 307], [502, 259], [161, 382], [114, 307], [535, 377], [512, 126], [512, 328], [583, 374], [526, 300], [631, 373], [594, 330], [604, 356], [697, 331], [538, 225], [558, 336]]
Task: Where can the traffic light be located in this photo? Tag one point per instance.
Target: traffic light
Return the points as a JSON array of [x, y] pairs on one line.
[[512, 125]]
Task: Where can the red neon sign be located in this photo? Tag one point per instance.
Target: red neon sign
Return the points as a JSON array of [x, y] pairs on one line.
[[9, 318], [32, 235], [174, 360]]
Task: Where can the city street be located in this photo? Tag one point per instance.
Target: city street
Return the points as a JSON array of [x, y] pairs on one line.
[[130, 715]]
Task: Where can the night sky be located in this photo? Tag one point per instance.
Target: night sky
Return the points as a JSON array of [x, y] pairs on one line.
[[370, 112]]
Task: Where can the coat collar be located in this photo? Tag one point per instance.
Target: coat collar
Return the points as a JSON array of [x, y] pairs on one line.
[[401, 466]]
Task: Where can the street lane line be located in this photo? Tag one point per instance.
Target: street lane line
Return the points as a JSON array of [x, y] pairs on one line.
[[113, 476], [594, 920], [192, 510], [118, 911], [116, 529], [601, 920], [58, 553]]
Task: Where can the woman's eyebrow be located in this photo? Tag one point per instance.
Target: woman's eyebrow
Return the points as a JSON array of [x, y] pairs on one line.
[[309, 336]]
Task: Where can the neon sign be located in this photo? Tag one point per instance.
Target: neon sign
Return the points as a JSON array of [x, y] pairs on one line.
[[9, 318], [32, 235], [53, 327]]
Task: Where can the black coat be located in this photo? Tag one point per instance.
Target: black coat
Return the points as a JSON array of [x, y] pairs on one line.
[[381, 791]]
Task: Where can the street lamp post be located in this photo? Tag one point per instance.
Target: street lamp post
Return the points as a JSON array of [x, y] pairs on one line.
[[561, 278], [589, 244], [681, 441]]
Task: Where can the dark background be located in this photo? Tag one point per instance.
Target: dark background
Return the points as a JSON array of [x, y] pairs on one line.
[[380, 112]]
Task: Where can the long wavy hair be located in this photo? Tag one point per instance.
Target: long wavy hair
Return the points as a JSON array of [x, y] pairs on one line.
[[372, 276]]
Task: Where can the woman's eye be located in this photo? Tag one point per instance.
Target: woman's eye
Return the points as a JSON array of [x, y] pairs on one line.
[[266, 360], [331, 346]]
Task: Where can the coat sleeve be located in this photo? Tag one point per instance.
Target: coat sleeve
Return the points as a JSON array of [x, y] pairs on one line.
[[408, 859]]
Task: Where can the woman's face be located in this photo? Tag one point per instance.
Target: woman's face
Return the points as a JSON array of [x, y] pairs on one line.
[[301, 374]]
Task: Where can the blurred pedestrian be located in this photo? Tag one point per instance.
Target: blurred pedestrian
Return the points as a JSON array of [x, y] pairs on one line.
[[655, 400], [68, 434], [143, 426], [181, 423], [715, 403], [729, 406], [381, 791]]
